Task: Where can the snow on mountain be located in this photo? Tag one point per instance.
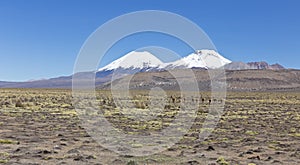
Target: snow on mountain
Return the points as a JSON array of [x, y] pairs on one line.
[[213, 59], [145, 61], [134, 60], [200, 59], [191, 61]]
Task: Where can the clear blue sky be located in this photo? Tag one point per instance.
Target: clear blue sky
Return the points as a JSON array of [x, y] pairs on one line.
[[41, 39]]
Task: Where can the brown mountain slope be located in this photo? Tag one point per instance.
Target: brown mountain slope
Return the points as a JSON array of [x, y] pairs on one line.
[[238, 80]]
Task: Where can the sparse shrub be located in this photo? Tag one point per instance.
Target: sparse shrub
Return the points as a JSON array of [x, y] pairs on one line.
[[222, 161], [4, 157], [140, 105], [19, 104], [167, 107], [297, 134], [251, 133], [6, 141], [4, 161]]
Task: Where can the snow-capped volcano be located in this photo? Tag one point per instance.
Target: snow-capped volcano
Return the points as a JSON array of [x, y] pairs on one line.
[[208, 59], [213, 59], [145, 61], [134, 60], [191, 61]]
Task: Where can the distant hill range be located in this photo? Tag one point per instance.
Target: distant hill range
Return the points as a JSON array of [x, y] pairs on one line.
[[150, 72], [237, 80], [252, 65]]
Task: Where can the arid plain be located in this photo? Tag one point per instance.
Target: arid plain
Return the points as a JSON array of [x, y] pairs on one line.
[[41, 126]]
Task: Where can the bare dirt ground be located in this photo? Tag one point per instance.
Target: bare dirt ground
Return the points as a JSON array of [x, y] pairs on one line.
[[39, 126]]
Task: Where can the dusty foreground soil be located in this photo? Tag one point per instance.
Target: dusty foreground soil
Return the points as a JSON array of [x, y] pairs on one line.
[[42, 127]]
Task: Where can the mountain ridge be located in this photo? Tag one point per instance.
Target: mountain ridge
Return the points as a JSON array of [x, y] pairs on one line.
[[236, 80], [146, 63], [253, 65]]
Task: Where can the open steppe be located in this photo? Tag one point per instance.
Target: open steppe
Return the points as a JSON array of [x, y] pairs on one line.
[[41, 126]]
